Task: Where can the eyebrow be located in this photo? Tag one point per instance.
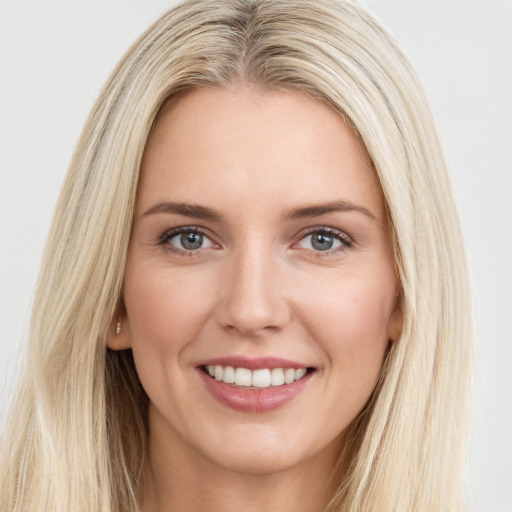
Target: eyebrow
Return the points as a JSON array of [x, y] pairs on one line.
[[205, 213], [186, 209], [322, 209]]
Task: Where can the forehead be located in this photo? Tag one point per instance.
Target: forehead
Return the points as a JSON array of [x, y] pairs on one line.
[[230, 141]]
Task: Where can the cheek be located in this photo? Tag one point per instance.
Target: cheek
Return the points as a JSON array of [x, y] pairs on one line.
[[350, 320], [165, 309]]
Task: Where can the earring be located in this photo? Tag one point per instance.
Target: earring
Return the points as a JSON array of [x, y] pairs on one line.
[[118, 328]]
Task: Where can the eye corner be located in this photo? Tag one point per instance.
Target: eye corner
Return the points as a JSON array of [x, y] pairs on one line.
[[175, 240], [323, 241]]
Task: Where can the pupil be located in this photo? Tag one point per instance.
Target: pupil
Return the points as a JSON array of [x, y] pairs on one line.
[[322, 242], [191, 241]]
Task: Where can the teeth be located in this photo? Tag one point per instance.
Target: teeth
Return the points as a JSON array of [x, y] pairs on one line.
[[229, 375], [262, 378], [300, 373], [243, 377], [277, 377], [289, 375]]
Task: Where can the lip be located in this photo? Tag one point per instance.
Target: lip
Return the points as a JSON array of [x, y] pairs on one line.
[[253, 400], [253, 363]]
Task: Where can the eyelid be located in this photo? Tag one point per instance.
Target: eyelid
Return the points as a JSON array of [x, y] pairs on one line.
[[169, 234], [172, 232], [346, 241]]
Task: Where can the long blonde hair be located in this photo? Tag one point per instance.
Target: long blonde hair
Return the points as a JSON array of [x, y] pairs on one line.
[[76, 437]]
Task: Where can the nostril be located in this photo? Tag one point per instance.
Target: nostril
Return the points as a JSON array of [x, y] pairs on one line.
[[252, 303]]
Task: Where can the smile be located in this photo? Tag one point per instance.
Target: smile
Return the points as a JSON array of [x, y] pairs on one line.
[[255, 379], [255, 385]]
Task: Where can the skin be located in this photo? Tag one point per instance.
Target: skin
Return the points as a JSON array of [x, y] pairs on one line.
[[256, 287]]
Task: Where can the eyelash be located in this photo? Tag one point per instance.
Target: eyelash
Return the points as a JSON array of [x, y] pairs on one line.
[[344, 239], [169, 235]]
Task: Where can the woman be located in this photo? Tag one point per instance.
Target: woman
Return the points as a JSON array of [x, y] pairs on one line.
[[274, 314]]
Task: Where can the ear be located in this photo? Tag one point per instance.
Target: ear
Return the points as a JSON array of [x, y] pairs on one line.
[[119, 331], [396, 321]]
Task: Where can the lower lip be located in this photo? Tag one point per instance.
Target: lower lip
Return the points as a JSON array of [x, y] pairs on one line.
[[254, 400]]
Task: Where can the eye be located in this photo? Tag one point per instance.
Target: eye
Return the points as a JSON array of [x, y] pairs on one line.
[[324, 240], [185, 239]]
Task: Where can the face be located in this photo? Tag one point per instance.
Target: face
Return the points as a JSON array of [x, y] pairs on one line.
[[260, 292]]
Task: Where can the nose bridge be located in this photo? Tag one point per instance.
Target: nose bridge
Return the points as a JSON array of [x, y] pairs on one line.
[[253, 299]]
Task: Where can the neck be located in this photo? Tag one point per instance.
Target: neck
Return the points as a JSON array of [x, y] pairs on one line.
[[179, 478]]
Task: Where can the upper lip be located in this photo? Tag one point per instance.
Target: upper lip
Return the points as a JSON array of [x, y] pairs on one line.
[[253, 363]]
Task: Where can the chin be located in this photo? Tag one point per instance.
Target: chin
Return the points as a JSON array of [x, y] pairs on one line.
[[267, 452], [257, 462]]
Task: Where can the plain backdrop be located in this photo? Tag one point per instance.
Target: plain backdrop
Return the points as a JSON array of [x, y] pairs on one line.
[[55, 56]]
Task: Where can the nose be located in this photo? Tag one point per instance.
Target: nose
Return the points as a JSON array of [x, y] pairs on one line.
[[252, 296]]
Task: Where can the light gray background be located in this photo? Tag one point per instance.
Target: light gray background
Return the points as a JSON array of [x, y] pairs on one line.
[[56, 54]]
